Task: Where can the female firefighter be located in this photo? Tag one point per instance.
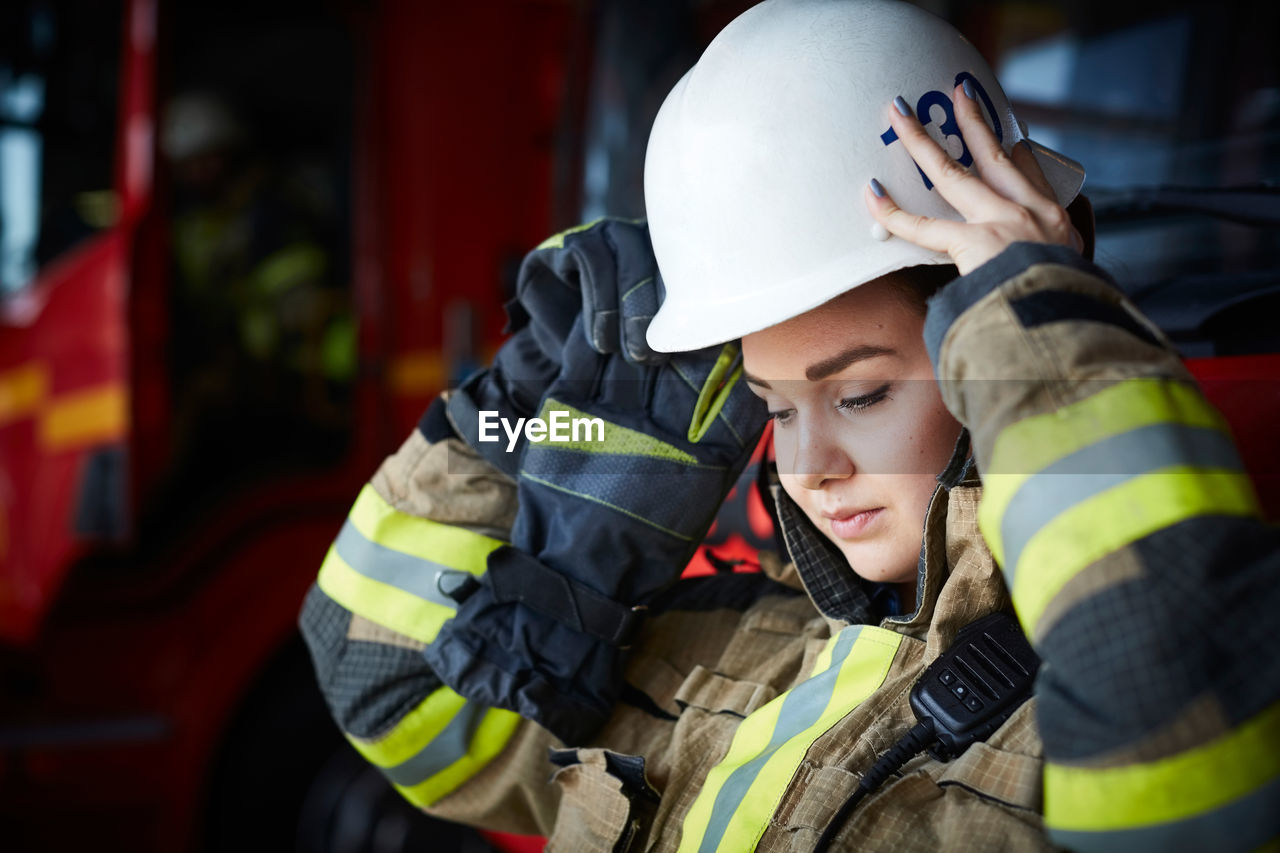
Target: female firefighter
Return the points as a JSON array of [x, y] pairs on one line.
[[490, 605]]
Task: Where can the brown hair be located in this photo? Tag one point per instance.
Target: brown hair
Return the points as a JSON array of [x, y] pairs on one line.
[[916, 284]]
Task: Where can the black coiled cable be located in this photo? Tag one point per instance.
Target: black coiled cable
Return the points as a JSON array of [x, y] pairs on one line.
[[908, 746]]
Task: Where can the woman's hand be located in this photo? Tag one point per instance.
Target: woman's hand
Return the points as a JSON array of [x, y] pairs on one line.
[[1004, 199]]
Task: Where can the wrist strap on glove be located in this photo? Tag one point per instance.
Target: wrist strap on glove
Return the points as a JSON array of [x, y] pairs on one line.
[[516, 577]]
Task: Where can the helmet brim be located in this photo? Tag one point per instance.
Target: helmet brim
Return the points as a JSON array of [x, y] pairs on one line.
[[683, 331]]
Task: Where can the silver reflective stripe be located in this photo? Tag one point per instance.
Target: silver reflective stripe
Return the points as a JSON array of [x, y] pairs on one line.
[[406, 572], [1104, 465], [1242, 825], [801, 708], [444, 749]]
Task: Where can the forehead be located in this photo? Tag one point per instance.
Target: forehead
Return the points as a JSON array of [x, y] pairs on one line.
[[876, 314]]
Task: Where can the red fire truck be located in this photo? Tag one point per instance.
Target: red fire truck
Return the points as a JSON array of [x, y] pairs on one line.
[[154, 693]]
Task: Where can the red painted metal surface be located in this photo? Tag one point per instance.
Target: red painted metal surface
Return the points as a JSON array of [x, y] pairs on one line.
[[465, 111], [83, 297], [64, 364], [138, 684], [75, 343], [1246, 389], [135, 670]]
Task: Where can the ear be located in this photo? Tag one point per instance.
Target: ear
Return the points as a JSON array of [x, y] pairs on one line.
[[1081, 212]]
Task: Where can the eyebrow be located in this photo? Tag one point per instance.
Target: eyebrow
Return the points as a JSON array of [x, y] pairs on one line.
[[834, 364], [839, 361]]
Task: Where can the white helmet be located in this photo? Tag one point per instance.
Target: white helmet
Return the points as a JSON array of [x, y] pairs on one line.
[[756, 162]]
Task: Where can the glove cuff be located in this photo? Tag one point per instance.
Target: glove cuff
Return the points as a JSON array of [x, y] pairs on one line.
[[434, 423], [573, 707], [464, 414], [516, 577]]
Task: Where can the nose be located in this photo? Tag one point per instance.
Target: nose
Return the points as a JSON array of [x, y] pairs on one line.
[[818, 459]]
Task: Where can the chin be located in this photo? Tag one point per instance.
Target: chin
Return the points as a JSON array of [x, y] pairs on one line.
[[888, 577], [878, 569]]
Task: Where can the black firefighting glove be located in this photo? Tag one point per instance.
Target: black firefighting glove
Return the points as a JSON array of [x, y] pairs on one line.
[[510, 389], [609, 517], [571, 273]]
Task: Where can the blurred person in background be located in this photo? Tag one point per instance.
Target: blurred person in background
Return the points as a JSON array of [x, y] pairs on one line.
[[261, 321]]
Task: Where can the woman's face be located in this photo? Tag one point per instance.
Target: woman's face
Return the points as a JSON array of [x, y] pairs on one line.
[[860, 429]]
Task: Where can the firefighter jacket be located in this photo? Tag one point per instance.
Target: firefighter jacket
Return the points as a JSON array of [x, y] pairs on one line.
[[1113, 516]]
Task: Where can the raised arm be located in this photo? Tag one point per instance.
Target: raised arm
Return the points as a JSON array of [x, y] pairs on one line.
[[426, 521], [1117, 506]]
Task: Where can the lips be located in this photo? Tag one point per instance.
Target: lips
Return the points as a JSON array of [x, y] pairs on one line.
[[851, 525]]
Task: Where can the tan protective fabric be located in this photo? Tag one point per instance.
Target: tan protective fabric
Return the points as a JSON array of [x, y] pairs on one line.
[[450, 483], [595, 812], [1020, 372], [712, 692], [367, 631], [707, 669], [985, 800]]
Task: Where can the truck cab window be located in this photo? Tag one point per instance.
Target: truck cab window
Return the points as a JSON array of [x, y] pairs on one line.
[[58, 82]]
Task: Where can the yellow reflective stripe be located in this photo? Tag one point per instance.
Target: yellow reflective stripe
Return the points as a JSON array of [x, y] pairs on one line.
[[1117, 517], [742, 792], [1032, 444], [491, 737], [556, 241], [455, 547], [1172, 789], [385, 604], [1246, 823], [749, 742], [372, 590], [415, 730], [447, 766], [822, 662]]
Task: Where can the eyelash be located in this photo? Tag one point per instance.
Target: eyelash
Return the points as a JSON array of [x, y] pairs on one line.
[[855, 404], [866, 401]]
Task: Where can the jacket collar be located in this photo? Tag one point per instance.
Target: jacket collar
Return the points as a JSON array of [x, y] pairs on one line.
[[958, 579]]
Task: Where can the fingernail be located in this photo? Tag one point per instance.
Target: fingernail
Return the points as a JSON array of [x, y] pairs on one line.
[[901, 106], [968, 89], [876, 189]]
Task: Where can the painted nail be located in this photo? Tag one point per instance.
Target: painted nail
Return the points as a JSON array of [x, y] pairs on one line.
[[901, 106], [967, 86], [876, 189]]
